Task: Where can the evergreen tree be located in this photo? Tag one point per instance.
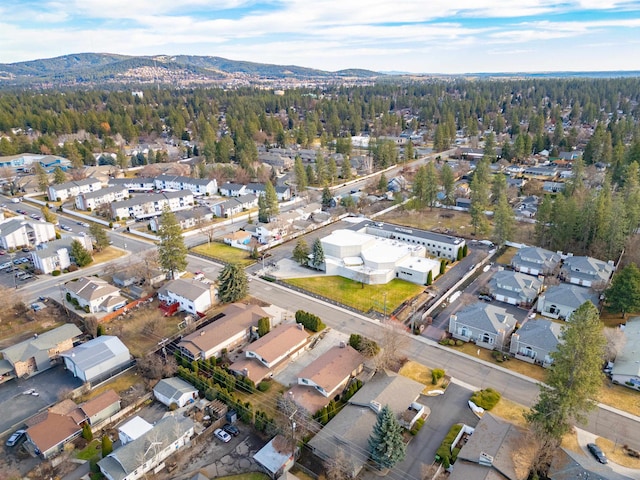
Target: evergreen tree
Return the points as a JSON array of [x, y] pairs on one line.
[[311, 176], [326, 198], [271, 198], [479, 199], [172, 252], [232, 283], [448, 182], [504, 221], [383, 183], [623, 296], [431, 185], [489, 152], [408, 152], [263, 211], [99, 234], [87, 434], [572, 384], [345, 169], [386, 445], [321, 169], [58, 177], [498, 188], [301, 174], [318, 254], [80, 255], [301, 252], [107, 446], [332, 171], [43, 179], [420, 185]]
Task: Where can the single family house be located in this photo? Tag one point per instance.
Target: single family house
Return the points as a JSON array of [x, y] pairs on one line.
[[535, 341], [560, 301], [192, 296], [514, 288], [95, 295], [489, 326], [535, 261], [586, 271], [174, 390]]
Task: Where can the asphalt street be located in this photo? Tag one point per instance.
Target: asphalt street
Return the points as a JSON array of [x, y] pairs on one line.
[[602, 421]]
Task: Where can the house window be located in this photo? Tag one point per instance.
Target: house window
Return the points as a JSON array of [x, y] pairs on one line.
[[528, 352], [486, 338]]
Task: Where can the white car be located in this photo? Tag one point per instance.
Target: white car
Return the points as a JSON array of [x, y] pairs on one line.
[[222, 435]]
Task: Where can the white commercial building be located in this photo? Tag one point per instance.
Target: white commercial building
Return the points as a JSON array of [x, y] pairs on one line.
[[374, 260], [151, 205]]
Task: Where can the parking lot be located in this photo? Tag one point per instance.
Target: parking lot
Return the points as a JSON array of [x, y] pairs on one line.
[[16, 269]]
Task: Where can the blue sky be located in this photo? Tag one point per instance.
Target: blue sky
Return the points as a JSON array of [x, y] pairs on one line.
[[425, 36]]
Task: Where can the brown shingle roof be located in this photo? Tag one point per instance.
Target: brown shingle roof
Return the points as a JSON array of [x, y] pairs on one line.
[[54, 430], [99, 403], [237, 317], [278, 341], [331, 368]]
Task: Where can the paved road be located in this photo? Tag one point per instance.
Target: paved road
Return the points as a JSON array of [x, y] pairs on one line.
[[471, 371]]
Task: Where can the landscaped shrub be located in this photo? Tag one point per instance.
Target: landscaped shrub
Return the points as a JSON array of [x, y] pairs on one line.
[[364, 345], [452, 342], [444, 454], [310, 321], [173, 406], [487, 398], [459, 343], [72, 268], [264, 386], [56, 273], [436, 375], [417, 426]]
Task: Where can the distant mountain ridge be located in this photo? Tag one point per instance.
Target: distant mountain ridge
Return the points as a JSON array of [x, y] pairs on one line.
[[86, 68]]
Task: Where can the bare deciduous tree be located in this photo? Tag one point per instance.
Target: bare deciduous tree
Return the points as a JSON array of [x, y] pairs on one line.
[[615, 342], [393, 343], [339, 467]]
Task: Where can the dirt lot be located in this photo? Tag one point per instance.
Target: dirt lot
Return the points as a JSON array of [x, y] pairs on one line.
[[143, 327], [451, 222], [18, 321]]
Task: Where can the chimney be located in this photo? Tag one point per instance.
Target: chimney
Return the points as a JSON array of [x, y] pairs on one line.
[[485, 459], [343, 345], [300, 326], [245, 372]]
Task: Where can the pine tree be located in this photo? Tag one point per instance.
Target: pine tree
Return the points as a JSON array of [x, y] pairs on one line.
[[301, 252], [301, 174], [107, 446], [59, 177], [326, 198], [232, 283], [321, 169], [386, 445], [408, 152], [80, 255], [345, 169], [43, 178], [87, 434], [447, 180], [332, 171], [431, 184], [100, 236], [172, 252], [623, 296], [271, 197], [383, 183], [318, 254], [489, 152], [572, 384], [504, 221], [263, 211]]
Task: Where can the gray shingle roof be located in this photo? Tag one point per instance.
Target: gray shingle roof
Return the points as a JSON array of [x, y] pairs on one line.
[[24, 350], [569, 295], [536, 257], [515, 284], [189, 289], [628, 361], [486, 317], [543, 334], [129, 457], [102, 192], [173, 388], [588, 268]]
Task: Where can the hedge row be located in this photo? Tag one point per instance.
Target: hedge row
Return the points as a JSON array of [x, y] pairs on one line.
[[310, 321]]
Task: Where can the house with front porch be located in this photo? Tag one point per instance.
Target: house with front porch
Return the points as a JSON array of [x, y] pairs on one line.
[[514, 288], [489, 326], [536, 340], [94, 294], [560, 301]]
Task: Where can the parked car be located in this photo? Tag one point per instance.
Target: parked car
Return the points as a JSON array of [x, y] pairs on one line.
[[485, 298], [222, 435], [597, 452], [231, 429], [15, 438], [26, 250], [66, 228]]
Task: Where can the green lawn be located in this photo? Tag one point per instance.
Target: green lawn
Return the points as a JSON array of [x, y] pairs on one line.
[[225, 253], [354, 294], [92, 450]]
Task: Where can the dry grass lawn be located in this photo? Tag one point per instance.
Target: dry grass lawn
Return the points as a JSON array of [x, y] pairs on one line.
[[420, 373], [447, 221], [524, 368], [106, 255], [506, 256], [119, 384], [143, 328], [570, 442], [620, 397], [616, 453], [510, 411]]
